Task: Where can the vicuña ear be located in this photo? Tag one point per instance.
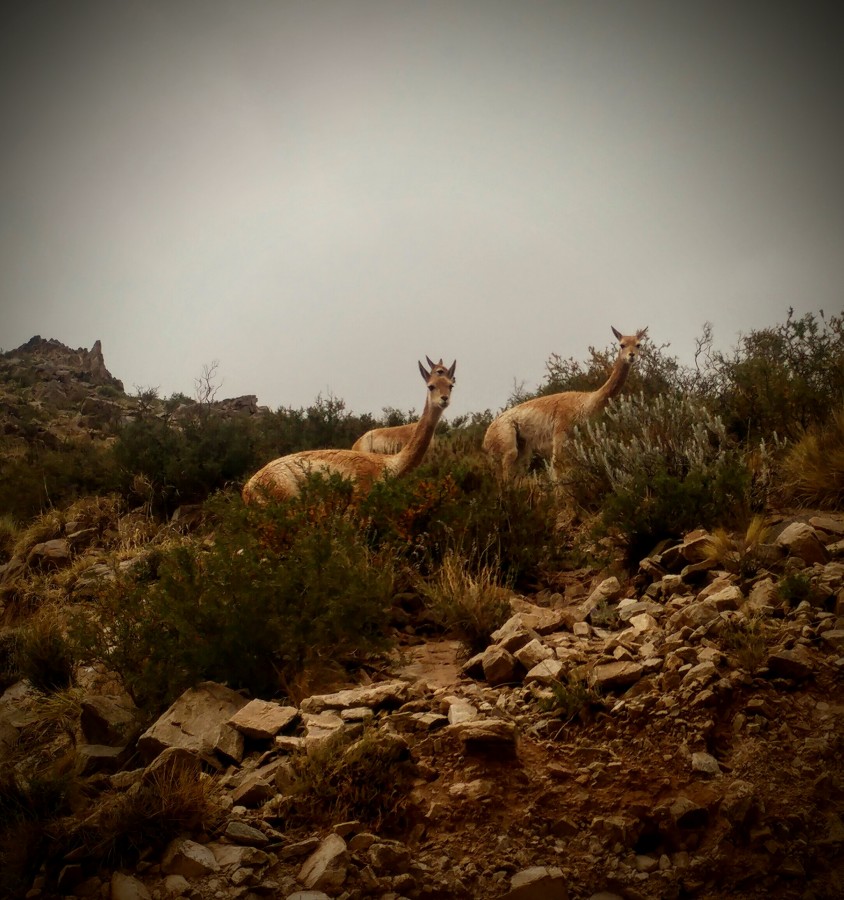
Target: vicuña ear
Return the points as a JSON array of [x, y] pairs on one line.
[[431, 363], [642, 333], [425, 375], [452, 368], [616, 332]]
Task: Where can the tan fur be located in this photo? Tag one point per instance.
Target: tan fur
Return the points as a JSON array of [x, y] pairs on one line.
[[282, 478], [540, 426], [387, 440]]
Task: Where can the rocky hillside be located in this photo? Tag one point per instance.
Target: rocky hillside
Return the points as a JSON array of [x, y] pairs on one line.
[[673, 731], [677, 735], [50, 393]]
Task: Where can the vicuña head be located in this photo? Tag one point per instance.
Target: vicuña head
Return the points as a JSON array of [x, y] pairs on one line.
[[283, 478], [541, 426]]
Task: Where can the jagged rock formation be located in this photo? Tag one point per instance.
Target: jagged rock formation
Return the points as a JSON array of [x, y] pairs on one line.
[[50, 393], [53, 361]]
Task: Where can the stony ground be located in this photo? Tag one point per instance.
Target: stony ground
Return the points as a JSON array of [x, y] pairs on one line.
[[675, 735]]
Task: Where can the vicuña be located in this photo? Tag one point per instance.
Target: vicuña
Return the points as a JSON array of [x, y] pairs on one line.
[[283, 478], [390, 439], [541, 426]]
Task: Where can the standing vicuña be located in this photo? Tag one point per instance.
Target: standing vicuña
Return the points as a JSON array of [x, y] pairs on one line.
[[540, 426], [282, 478]]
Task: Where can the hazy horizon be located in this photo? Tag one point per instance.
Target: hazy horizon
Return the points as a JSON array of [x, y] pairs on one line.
[[319, 194]]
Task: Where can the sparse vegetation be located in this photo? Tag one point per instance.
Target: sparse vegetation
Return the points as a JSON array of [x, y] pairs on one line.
[[745, 639], [122, 825], [655, 469], [814, 464], [467, 600], [571, 698], [278, 591], [741, 553], [366, 778], [27, 809], [304, 597]]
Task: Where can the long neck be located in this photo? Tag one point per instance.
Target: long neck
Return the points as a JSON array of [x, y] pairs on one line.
[[413, 452], [613, 385]]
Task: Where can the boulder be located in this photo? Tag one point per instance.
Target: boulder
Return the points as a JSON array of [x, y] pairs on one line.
[[325, 868], [193, 721], [800, 539]]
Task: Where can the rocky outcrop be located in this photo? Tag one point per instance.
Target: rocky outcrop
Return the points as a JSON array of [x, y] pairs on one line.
[[53, 362]]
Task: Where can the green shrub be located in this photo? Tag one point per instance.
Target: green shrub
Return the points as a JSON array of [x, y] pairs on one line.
[[570, 699], [745, 639], [783, 379], [794, 588], [454, 505], [49, 477], [280, 589], [182, 463], [656, 469]]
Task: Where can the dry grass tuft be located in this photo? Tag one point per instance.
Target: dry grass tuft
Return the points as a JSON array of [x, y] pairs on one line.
[[8, 537], [467, 600], [814, 466], [43, 653], [367, 778], [745, 640], [149, 815], [46, 527], [740, 554]]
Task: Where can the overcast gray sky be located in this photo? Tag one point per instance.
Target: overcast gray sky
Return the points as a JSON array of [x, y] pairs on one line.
[[317, 194]]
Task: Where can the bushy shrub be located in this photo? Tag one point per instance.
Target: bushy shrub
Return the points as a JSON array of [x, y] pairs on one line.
[[453, 504], [278, 590], [656, 469], [781, 379], [182, 463], [43, 477], [794, 588], [814, 466]]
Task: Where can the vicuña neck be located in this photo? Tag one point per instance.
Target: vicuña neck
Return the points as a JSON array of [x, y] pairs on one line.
[[413, 452], [613, 385]]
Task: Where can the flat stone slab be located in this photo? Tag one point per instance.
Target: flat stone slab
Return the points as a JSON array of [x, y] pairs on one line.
[[385, 693], [263, 719]]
